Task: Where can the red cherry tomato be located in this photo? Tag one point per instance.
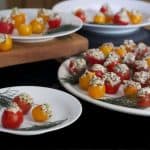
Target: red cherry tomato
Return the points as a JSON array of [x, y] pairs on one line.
[[111, 89], [123, 76], [93, 60], [54, 23], [6, 28], [117, 20], [144, 101], [111, 66], [81, 14], [24, 106], [12, 119], [103, 9]]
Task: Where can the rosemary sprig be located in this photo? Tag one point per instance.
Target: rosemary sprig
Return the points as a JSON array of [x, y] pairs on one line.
[[62, 28], [122, 101], [41, 127]]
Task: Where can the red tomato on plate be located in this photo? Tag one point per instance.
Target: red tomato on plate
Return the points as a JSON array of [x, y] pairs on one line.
[[12, 117], [81, 14], [54, 23], [111, 89], [117, 20], [6, 28]]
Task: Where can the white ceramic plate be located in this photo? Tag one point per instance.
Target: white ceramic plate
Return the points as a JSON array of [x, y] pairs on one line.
[[32, 13], [92, 6], [64, 106], [74, 89]]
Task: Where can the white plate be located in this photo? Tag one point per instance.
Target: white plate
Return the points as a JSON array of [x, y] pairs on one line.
[[32, 13], [64, 106], [92, 6], [74, 89]]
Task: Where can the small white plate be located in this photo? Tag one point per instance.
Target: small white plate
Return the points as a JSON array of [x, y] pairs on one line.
[[74, 89], [32, 13], [64, 107], [92, 6]]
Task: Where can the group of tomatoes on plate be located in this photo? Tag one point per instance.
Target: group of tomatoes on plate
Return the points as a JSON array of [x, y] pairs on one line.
[[13, 115], [17, 23], [109, 68], [105, 15]]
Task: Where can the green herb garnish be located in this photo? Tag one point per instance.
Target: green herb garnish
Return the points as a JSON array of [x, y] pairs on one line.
[[122, 101]]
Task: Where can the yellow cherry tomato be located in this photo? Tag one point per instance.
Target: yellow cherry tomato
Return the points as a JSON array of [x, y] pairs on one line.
[[99, 19], [19, 19], [109, 19], [41, 113], [106, 48], [85, 79], [130, 91], [97, 91], [25, 29], [121, 51], [38, 25], [7, 44], [148, 61], [135, 18]]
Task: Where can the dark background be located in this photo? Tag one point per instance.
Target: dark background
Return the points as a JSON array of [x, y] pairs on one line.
[[97, 127]]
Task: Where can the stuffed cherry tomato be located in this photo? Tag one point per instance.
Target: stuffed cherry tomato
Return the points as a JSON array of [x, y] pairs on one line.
[[135, 17], [54, 21], [122, 71], [24, 101], [18, 17], [96, 88], [129, 45], [111, 61], [131, 88], [77, 65], [140, 65], [85, 79], [106, 48], [41, 113], [143, 97], [121, 18], [112, 82], [25, 29], [94, 56], [98, 69], [99, 18], [6, 43], [121, 51], [81, 14], [12, 117], [38, 25], [142, 77], [6, 26], [129, 59]]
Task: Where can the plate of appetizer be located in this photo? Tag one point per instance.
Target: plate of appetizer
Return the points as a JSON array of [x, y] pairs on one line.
[[108, 17], [31, 110], [113, 77], [37, 25]]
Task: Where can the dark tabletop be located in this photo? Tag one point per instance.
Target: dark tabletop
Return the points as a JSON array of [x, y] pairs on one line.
[[97, 127]]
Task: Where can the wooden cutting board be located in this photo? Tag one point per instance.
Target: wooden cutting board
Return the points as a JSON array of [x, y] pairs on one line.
[[57, 48]]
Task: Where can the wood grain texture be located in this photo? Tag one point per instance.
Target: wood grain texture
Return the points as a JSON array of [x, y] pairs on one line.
[[57, 48]]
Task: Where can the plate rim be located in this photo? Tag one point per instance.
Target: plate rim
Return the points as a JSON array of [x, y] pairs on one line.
[[48, 130], [72, 90]]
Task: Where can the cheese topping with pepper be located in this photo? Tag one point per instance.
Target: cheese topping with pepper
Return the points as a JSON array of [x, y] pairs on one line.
[[96, 81], [13, 108], [15, 12], [124, 15], [26, 97], [79, 63], [141, 76], [44, 12], [98, 67], [112, 78], [112, 57], [132, 83], [129, 44], [144, 91], [96, 53], [46, 108], [123, 68], [3, 37], [141, 64], [129, 58]]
